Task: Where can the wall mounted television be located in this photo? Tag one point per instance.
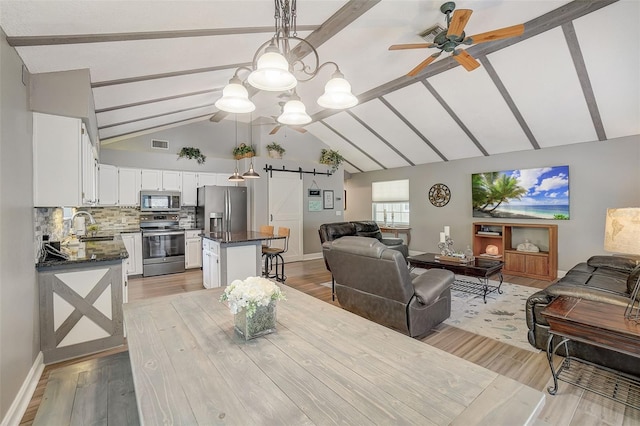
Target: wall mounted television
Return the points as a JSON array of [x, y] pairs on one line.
[[541, 193]]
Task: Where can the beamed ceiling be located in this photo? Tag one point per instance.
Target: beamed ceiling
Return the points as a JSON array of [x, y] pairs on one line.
[[573, 76]]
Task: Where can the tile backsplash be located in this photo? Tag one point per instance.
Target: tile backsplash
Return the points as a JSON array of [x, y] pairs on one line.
[[50, 221]]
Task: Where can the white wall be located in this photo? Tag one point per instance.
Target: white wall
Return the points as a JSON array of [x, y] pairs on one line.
[[601, 175], [19, 331]]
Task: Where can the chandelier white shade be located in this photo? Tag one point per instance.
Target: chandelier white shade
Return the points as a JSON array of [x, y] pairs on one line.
[[235, 98], [337, 93], [294, 113], [272, 72], [280, 64]]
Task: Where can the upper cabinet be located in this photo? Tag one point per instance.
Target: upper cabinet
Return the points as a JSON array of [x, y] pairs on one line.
[[189, 188], [161, 180], [129, 185], [107, 185], [64, 162]]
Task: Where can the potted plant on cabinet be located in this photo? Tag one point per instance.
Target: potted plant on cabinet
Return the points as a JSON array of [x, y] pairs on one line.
[[275, 150], [243, 151], [191, 154], [331, 158]]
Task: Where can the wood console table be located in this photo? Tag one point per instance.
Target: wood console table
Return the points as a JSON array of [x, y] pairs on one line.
[[395, 230], [598, 324]]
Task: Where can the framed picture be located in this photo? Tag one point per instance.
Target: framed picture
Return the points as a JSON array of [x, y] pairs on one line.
[[541, 193], [327, 199], [315, 206]]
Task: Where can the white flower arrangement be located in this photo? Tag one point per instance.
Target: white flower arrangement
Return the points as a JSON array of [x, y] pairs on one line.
[[251, 293]]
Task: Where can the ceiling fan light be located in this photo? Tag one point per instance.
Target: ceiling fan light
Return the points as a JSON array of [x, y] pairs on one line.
[[272, 72], [235, 98], [337, 94], [294, 113]]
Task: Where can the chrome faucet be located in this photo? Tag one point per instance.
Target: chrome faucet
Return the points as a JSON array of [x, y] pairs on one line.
[[91, 219]]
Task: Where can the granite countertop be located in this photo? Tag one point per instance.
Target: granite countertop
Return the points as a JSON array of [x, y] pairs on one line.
[[89, 252], [238, 237]]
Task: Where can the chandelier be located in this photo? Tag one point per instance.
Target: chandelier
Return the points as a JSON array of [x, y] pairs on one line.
[[278, 66]]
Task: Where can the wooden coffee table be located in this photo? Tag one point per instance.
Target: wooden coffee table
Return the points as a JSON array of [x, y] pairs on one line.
[[598, 324], [481, 269]]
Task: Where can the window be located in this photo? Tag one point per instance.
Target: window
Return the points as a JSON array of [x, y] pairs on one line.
[[390, 202]]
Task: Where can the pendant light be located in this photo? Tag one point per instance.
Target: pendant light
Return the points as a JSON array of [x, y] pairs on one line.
[[235, 177], [251, 174]]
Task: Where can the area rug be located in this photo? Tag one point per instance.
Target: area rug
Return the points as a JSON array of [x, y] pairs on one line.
[[502, 318]]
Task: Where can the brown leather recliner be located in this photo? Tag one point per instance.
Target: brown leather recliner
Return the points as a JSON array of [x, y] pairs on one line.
[[374, 282]]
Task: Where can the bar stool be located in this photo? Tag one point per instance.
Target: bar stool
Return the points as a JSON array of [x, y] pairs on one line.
[[275, 254], [265, 229]]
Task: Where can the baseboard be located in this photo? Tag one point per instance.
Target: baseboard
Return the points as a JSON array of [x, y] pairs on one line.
[[22, 399], [312, 256]]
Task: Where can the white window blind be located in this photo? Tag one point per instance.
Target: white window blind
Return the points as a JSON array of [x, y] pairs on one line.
[[390, 191]]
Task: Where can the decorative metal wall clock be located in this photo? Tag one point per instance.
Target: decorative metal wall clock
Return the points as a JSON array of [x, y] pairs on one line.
[[439, 195]]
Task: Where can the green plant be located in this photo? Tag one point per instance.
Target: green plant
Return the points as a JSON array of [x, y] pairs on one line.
[[331, 158], [243, 149], [275, 146], [192, 153]]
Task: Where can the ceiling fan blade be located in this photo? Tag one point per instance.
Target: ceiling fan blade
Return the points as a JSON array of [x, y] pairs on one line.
[[506, 32], [411, 46], [422, 65], [299, 129], [458, 22], [275, 130], [467, 61]]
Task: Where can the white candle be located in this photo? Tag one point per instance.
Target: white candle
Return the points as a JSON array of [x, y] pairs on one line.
[[447, 231], [442, 237]]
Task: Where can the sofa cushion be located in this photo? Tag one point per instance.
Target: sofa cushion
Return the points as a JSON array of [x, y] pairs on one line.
[[621, 263], [368, 229], [339, 230]]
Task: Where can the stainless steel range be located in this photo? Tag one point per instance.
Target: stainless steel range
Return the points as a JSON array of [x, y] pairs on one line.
[[162, 244]]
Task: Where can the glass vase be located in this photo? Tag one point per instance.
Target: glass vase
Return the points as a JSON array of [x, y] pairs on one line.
[[262, 322]]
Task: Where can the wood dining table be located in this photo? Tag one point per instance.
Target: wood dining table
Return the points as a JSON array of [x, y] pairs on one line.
[[323, 365]]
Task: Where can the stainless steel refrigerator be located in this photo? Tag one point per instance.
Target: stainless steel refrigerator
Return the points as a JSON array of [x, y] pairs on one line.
[[222, 208]]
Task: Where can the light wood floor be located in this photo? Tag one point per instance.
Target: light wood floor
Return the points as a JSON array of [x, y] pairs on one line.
[[571, 406]]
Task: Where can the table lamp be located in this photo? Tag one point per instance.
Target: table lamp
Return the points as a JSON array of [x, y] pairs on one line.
[[622, 235]]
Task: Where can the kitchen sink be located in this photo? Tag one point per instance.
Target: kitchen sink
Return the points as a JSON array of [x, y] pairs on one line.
[[96, 238]]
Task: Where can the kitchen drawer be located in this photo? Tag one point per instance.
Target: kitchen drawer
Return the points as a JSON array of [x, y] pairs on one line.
[[210, 245], [192, 233]]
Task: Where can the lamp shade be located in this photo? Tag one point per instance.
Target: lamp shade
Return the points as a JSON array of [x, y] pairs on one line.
[[251, 174], [294, 113], [235, 98], [272, 72], [622, 231], [337, 94], [235, 177]]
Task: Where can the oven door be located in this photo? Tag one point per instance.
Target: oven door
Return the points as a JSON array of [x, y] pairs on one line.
[[162, 252]]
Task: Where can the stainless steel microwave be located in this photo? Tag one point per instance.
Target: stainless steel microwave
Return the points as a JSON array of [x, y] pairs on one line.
[[159, 201]]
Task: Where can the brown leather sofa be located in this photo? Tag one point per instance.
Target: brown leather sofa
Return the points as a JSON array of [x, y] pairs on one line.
[[363, 228], [608, 279], [373, 281]]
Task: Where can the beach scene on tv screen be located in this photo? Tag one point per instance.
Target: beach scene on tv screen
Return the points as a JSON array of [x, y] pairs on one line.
[[541, 193]]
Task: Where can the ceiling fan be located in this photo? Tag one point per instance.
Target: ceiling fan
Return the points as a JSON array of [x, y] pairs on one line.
[[454, 36]]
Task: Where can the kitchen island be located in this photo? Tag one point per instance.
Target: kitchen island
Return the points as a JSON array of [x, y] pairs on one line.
[[81, 300], [228, 256]]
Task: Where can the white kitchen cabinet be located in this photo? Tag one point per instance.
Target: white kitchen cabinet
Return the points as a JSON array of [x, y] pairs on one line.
[[207, 179], [189, 188], [210, 264], [107, 185], [171, 180], [192, 249], [151, 180], [64, 162], [129, 185], [160, 180], [133, 244]]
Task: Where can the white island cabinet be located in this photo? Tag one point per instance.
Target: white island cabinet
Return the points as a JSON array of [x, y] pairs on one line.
[[192, 248]]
